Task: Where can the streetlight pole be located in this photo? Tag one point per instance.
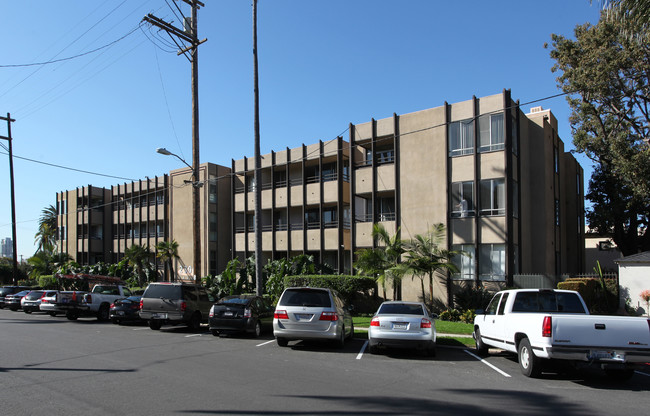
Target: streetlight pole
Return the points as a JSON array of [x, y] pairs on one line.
[[258, 165], [196, 219], [9, 120]]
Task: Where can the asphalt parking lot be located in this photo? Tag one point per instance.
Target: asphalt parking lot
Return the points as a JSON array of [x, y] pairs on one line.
[[85, 366]]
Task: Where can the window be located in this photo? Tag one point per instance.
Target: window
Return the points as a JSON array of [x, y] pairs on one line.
[[491, 133], [493, 197], [492, 262], [280, 178], [502, 305], [311, 219], [250, 183], [461, 138], [329, 218], [462, 199], [213, 227], [492, 307], [213, 194], [386, 208], [465, 263]]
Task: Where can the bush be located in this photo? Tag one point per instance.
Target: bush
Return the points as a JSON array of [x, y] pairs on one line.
[[468, 316], [472, 298], [48, 282], [598, 301], [452, 315]]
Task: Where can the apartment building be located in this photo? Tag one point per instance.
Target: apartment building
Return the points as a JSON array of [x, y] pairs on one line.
[[499, 179], [6, 248], [99, 225]]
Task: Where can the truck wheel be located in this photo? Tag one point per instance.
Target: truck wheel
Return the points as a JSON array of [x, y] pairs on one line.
[[155, 325], [71, 315], [103, 313], [620, 375], [481, 348], [215, 332], [529, 363]]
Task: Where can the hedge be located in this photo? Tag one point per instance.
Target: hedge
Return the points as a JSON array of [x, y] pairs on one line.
[[597, 300]]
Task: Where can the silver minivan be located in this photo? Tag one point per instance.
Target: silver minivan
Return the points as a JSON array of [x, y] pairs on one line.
[[306, 313]]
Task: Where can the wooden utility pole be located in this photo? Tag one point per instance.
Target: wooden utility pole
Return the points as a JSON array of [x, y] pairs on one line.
[[188, 41], [258, 165], [9, 120]]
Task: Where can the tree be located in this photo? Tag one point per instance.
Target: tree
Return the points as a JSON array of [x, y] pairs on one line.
[[139, 258], [382, 262], [425, 257], [606, 76], [635, 12], [167, 252], [45, 237]]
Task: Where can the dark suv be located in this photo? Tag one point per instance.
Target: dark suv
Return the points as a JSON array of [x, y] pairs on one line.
[[175, 303]]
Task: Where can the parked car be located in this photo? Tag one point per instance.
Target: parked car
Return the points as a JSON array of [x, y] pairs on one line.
[[305, 313], [398, 324], [13, 301], [544, 325], [241, 313], [126, 310], [175, 303], [32, 302], [96, 303], [49, 303], [9, 290]]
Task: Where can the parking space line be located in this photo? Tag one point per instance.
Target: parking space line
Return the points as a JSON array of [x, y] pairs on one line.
[[503, 373], [264, 343], [642, 373], [140, 329], [363, 348]]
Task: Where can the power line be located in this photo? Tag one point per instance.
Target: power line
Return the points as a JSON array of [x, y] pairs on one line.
[[71, 57]]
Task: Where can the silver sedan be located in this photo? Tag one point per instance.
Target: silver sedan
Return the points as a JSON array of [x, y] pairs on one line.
[[402, 325]]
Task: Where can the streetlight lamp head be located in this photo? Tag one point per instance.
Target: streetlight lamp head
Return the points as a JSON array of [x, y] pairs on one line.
[[163, 151]]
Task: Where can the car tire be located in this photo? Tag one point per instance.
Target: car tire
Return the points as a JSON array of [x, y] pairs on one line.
[[195, 322], [481, 348], [529, 363], [282, 342], [27, 312], [215, 332], [52, 313], [351, 336], [104, 312], [340, 343], [431, 351], [71, 315], [115, 321], [155, 325], [620, 375], [257, 331], [372, 349]]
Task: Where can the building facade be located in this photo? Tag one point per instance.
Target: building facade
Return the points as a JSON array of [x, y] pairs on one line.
[[6, 248], [99, 225], [498, 179]]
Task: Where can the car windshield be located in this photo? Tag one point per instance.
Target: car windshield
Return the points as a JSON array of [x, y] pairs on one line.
[[564, 302], [306, 297], [400, 309]]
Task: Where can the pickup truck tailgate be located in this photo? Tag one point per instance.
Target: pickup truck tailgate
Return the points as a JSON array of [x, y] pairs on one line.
[[601, 331]]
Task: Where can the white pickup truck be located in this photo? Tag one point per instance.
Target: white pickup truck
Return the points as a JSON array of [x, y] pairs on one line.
[[541, 325], [94, 303]]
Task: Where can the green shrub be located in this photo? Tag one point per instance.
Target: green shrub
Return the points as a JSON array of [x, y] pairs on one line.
[[472, 298], [452, 315], [599, 300], [48, 282], [468, 316]]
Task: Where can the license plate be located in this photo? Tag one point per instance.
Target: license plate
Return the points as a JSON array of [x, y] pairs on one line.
[[600, 354], [303, 316], [227, 314], [400, 325], [120, 313], [159, 316]]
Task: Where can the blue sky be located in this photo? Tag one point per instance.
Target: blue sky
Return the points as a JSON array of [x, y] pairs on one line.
[[322, 65]]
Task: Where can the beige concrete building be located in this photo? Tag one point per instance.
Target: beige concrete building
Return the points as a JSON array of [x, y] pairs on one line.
[[97, 224], [498, 179]]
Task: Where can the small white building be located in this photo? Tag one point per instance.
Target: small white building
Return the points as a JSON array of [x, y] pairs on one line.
[[634, 277]]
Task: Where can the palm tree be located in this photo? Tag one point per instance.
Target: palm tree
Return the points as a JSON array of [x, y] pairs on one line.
[[167, 252], [383, 262], [425, 257], [138, 257], [46, 234]]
